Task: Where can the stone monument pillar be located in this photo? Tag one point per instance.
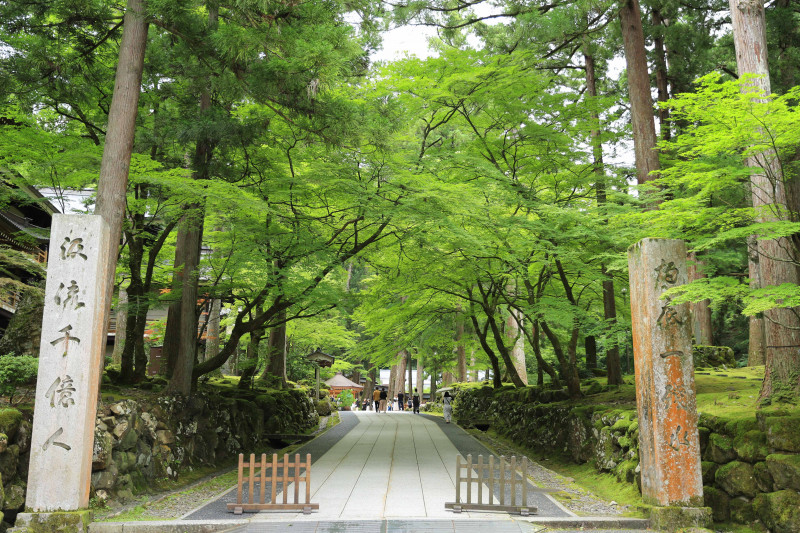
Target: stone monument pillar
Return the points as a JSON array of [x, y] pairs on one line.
[[72, 348], [669, 448]]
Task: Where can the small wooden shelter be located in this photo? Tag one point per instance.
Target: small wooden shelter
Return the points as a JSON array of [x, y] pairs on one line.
[[338, 383]]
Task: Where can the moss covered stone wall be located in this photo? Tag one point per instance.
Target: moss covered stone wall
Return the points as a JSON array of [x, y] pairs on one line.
[[751, 467], [138, 443]]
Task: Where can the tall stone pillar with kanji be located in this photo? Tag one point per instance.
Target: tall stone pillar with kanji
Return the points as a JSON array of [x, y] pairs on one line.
[[669, 448], [72, 349]]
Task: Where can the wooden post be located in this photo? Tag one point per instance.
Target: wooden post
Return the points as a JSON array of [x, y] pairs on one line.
[[669, 447], [251, 479], [274, 477], [262, 480], [480, 479]]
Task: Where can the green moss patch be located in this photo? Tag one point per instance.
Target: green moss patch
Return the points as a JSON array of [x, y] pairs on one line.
[[779, 511]]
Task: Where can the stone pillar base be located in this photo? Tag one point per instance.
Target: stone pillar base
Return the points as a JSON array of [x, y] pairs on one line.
[[675, 518], [59, 521]]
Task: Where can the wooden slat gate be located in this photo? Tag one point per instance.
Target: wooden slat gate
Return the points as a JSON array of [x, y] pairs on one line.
[[493, 475], [279, 473]]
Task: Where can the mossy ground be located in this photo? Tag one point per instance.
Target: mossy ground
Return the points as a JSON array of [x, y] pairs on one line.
[[585, 475], [731, 393]]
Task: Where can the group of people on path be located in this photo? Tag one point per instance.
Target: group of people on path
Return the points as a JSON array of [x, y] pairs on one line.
[[380, 397]]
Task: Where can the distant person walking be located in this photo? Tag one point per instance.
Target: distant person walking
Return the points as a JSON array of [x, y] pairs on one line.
[[383, 396], [415, 401], [448, 408], [401, 401], [376, 397]]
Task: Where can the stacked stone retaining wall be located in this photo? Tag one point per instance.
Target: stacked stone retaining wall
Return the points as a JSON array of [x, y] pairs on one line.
[[138, 443], [751, 467]]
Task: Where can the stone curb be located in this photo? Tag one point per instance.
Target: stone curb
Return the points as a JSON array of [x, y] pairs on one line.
[[220, 526], [601, 522], [166, 526]]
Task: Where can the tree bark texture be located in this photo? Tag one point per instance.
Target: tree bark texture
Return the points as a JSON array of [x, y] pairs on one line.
[[119, 335], [400, 376], [392, 381], [613, 365], [461, 351], [660, 25], [642, 120], [569, 370], [112, 184], [590, 345], [514, 334], [246, 379], [756, 341], [702, 329], [420, 375], [447, 378], [191, 235], [410, 386], [212, 336], [276, 352], [172, 329], [777, 261]]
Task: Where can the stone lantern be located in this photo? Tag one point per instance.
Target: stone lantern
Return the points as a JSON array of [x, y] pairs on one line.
[[322, 360]]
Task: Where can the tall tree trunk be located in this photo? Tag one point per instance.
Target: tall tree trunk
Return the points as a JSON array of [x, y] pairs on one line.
[[126, 358], [191, 235], [496, 381], [590, 345], [212, 337], [434, 374], [757, 341], [701, 311], [613, 365], [514, 334], [777, 261], [246, 379], [541, 364], [447, 378], [570, 370], [135, 297], [112, 185], [660, 25], [392, 381], [400, 376], [642, 120], [473, 372], [461, 351], [420, 374], [276, 352], [369, 386], [139, 355], [349, 276], [172, 329], [410, 387], [121, 328]]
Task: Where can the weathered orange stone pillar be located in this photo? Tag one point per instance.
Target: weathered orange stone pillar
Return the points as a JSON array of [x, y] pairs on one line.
[[669, 449]]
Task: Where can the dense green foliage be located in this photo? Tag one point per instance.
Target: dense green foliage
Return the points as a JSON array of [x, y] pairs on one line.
[[418, 207], [16, 370]]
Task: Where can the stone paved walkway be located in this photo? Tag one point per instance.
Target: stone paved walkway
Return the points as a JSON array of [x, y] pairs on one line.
[[384, 466]]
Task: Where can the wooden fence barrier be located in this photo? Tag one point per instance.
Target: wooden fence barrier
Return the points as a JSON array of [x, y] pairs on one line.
[[279, 473], [493, 475]]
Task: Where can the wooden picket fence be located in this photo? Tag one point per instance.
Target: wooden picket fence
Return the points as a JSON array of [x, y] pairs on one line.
[[492, 474], [278, 473]]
